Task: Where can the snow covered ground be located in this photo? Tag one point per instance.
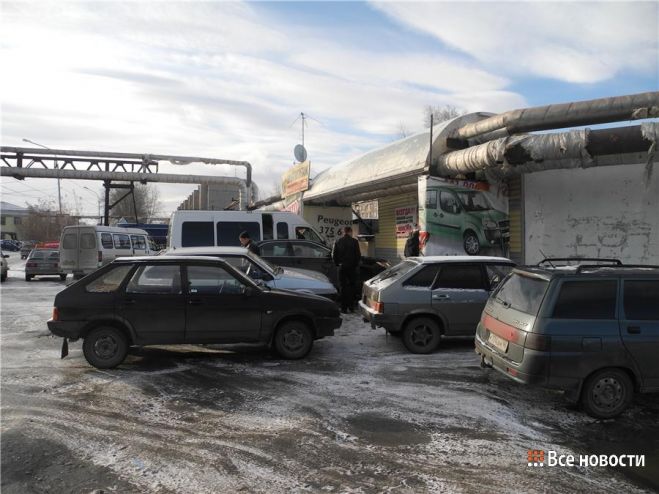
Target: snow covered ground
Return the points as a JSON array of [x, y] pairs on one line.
[[360, 414]]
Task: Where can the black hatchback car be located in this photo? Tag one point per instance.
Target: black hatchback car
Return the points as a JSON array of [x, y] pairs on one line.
[[184, 300]]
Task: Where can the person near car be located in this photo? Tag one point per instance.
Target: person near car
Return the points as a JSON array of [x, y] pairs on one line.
[[346, 256], [412, 245], [246, 242]]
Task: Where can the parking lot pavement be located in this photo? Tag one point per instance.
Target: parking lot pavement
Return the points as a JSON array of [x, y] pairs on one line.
[[360, 414]]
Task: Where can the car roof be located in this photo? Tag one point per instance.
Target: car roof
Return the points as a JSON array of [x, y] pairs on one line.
[[591, 270], [211, 250], [433, 259], [165, 259]]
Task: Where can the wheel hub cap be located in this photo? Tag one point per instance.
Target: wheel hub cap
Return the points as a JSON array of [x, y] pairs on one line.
[[105, 347], [607, 393]]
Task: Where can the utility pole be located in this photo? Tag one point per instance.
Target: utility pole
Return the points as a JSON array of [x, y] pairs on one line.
[[303, 117], [59, 188]]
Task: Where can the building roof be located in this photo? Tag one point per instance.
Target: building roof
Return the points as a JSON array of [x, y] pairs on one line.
[[9, 208]]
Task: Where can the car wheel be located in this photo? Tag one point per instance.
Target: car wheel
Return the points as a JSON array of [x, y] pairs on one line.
[[421, 335], [105, 347], [62, 277], [471, 244], [607, 393], [293, 340], [28, 277]]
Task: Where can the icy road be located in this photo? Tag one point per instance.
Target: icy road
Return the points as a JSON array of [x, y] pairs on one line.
[[360, 414]]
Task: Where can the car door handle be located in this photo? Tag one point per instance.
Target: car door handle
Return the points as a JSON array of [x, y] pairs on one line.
[[634, 329], [441, 297], [195, 301]]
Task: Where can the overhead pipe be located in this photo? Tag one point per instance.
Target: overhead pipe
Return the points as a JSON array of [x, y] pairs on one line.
[[590, 112], [577, 148]]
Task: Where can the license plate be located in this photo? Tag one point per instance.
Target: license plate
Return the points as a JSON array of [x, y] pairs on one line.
[[498, 343]]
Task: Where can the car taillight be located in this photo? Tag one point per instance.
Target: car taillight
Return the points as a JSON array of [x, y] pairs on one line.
[[100, 256], [55, 314], [378, 307], [539, 342], [31, 265]]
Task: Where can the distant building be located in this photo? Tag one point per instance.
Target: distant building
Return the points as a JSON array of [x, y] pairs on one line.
[[11, 220], [218, 197]]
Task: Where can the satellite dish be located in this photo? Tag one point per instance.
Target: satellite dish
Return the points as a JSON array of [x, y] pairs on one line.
[[300, 153]]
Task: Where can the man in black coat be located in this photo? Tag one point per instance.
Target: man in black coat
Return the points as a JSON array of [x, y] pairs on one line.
[[412, 245], [246, 242], [346, 255]]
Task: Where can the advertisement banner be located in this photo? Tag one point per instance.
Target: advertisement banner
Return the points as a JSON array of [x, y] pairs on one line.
[[296, 179], [328, 221], [406, 220], [463, 217]]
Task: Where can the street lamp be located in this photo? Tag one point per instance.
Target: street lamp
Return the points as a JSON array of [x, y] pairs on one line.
[[99, 201], [59, 190]]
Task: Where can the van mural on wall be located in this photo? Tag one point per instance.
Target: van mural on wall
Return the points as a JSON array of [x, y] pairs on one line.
[[462, 216]]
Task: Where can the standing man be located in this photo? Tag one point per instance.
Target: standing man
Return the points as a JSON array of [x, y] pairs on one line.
[[346, 256], [412, 245], [246, 242]]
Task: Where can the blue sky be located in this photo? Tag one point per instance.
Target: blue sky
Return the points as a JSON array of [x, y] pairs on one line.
[[227, 79]]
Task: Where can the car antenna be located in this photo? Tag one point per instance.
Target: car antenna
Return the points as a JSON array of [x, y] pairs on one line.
[[546, 258]]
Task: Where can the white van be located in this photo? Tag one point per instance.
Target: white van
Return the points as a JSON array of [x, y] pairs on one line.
[[84, 249], [222, 228]]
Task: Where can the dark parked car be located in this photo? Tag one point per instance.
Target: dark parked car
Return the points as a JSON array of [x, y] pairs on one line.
[[43, 262], [10, 245], [427, 298], [316, 257], [167, 300], [590, 330]]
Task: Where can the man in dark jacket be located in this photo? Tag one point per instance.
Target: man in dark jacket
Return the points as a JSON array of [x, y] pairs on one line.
[[246, 242], [412, 244], [346, 255]]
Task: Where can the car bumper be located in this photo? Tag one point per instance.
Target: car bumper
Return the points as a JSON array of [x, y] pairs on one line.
[[379, 320], [325, 326], [43, 271], [522, 372], [65, 329]]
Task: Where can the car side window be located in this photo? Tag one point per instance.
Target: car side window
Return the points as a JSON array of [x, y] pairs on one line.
[[306, 250], [121, 241], [213, 280], [156, 279], [138, 241], [423, 278], [641, 300], [106, 240], [110, 281], [448, 202], [275, 249], [282, 230], [460, 276], [431, 199], [496, 273], [586, 300]]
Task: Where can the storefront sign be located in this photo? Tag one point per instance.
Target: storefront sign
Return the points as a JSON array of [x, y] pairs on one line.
[[296, 179], [406, 220], [328, 221]]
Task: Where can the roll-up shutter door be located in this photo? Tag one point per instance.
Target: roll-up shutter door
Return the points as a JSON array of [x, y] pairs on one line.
[[386, 243], [516, 216]]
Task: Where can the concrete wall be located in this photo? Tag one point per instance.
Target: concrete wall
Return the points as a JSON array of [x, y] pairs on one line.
[[595, 212]]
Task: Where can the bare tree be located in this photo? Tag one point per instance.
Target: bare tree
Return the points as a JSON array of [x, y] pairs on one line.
[[403, 130], [43, 223], [147, 202], [440, 114]]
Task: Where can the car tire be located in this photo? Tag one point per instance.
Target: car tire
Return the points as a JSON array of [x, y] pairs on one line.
[[421, 335], [105, 347], [293, 340], [471, 244], [607, 393], [62, 277], [28, 277]]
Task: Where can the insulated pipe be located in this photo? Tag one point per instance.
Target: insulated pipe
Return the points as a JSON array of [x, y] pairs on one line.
[[590, 112], [546, 151]]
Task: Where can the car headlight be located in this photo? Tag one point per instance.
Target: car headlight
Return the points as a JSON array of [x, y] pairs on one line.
[[489, 224]]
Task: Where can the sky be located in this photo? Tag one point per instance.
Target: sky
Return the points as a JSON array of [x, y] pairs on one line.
[[229, 79]]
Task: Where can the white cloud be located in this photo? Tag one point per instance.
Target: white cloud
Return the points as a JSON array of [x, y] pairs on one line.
[[214, 79], [581, 42]]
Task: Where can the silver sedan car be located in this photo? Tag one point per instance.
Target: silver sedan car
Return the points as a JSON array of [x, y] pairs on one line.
[[257, 268], [43, 262]]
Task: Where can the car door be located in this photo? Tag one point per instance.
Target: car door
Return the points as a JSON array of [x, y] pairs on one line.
[[220, 307], [154, 304], [308, 255], [639, 327], [459, 294]]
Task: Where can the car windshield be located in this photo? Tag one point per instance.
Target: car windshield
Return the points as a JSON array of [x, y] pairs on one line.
[[473, 200], [260, 261], [522, 293], [396, 271]]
